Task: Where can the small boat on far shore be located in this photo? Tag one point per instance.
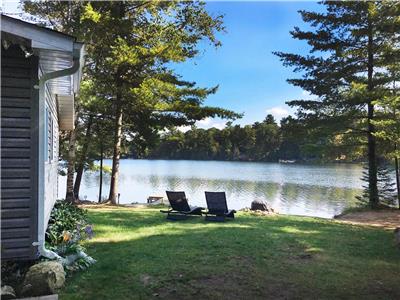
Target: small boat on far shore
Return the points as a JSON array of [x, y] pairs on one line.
[[284, 161]]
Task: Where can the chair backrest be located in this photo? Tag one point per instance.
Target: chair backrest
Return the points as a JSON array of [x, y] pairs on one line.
[[216, 202], [178, 201]]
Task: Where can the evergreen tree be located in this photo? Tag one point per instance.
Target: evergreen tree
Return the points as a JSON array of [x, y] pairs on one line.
[[386, 185], [388, 125], [130, 45], [346, 70]]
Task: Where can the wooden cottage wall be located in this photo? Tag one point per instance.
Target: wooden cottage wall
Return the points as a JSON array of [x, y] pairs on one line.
[[19, 154]]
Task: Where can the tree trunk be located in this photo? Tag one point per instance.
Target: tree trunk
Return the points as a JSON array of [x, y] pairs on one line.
[[396, 165], [372, 161], [101, 170], [117, 152], [112, 198], [70, 196], [81, 163]]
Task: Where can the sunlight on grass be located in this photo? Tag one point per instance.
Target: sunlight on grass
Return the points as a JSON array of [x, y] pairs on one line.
[[126, 233], [139, 253], [289, 229]]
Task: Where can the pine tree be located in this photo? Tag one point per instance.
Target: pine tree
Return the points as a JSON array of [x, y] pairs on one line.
[[387, 190], [351, 45], [388, 125], [387, 185], [130, 47]]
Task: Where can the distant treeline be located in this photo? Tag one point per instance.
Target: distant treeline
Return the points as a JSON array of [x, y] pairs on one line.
[[261, 141]]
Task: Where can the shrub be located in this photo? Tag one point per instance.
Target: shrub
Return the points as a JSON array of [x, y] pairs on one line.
[[66, 221], [68, 226]]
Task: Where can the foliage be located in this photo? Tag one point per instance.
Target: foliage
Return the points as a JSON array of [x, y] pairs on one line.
[[354, 45], [386, 185], [257, 258], [261, 141], [96, 168], [388, 123], [131, 46], [68, 227]]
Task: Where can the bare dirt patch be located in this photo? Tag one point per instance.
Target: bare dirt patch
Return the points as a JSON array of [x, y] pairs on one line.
[[244, 281], [234, 286], [388, 218]]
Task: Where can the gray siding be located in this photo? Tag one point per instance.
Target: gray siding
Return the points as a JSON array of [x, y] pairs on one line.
[[19, 154]]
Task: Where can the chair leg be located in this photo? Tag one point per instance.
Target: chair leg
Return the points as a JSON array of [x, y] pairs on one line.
[[215, 218]]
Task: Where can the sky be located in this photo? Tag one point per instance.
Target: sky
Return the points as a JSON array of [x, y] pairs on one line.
[[251, 79]]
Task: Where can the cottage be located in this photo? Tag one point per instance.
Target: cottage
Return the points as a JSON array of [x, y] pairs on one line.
[[40, 75]]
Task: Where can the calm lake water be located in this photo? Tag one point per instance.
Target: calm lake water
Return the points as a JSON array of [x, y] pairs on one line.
[[311, 190]]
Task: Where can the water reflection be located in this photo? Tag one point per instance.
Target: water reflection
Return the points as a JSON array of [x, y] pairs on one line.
[[293, 189]]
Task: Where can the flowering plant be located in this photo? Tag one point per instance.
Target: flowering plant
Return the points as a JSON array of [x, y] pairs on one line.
[[68, 226], [67, 222]]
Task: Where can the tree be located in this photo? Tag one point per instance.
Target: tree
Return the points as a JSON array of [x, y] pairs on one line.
[[129, 46], [137, 40], [63, 16], [388, 126], [93, 128], [292, 137], [259, 141], [267, 139], [346, 70], [386, 185]]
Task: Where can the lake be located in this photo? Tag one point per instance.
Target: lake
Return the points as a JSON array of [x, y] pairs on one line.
[[312, 190]]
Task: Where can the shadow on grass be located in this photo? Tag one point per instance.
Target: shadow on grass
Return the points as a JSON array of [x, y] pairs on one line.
[[145, 256]]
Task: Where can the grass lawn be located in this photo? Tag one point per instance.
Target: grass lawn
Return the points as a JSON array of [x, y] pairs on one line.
[[143, 256]]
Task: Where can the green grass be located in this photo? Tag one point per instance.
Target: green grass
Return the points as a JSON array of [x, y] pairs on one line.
[[140, 255]]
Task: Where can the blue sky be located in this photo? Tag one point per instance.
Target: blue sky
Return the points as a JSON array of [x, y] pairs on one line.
[[251, 79]]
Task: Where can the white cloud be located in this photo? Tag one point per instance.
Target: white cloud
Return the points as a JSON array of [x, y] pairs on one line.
[[209, 123], [278, 112], [184, 128], [308, 96], [205, 124]]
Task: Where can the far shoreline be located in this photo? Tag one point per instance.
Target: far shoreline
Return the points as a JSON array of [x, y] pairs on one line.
[[302, 162]]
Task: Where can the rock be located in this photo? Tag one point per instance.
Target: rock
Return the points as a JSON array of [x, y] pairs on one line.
[[7, 292], [261, 205], [43, 279], [397, 236], [145, 279]]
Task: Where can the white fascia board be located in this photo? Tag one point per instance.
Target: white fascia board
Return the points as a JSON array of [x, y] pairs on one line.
[[80, 54], [41, 38]]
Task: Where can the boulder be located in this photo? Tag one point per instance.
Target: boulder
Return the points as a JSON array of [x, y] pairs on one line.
[[261, 205], [43, 279], [7, 292]]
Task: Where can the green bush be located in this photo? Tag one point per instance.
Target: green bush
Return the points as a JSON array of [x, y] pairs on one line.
[[68, 224]]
